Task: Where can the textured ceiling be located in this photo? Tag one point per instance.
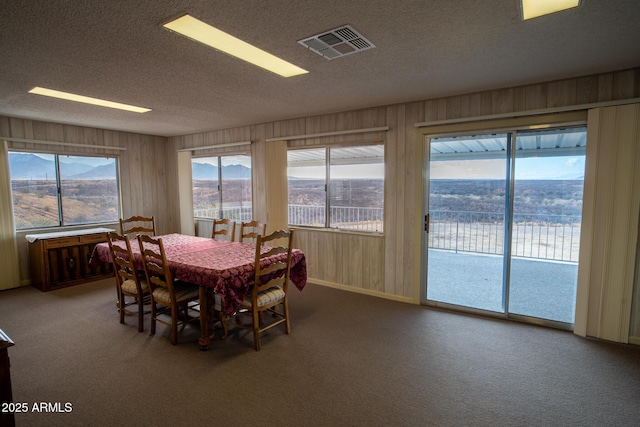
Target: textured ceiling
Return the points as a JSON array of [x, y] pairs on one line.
[[118, 50]]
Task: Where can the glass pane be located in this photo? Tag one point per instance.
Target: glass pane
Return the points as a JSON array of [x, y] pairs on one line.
[[356, 190], [89, 189], [206, 194], [236, 187], [546, 224], [306, 176], [34, 190], [467, 190]]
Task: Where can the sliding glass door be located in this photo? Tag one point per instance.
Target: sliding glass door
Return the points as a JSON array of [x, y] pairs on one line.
[[545, 236], [503, 222], [466, 222]]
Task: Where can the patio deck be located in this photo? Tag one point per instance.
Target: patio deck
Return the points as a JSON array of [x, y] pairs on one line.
[[539, 288]]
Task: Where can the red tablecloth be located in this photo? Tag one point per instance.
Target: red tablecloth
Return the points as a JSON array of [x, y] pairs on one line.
[[227, 267]]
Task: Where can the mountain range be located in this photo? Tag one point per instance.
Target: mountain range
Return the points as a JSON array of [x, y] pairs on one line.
[[30, 166], [208, 171]]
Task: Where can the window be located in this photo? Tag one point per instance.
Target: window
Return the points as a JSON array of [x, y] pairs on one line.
[[222, 187], [337, 187], [53, 190]]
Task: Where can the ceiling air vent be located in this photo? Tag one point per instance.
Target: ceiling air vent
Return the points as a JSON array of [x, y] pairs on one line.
[[336, 43]]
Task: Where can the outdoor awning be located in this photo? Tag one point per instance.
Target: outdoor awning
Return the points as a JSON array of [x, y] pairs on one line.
[[356, 155], [537, 143]]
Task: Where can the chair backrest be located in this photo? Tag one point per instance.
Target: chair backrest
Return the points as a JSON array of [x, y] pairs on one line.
[[122, 258], [154, 260], [275, 273], [224, 227], [138, 225], [249, 231]]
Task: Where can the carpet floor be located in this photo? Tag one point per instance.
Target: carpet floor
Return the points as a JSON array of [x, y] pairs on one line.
[[350, 360]]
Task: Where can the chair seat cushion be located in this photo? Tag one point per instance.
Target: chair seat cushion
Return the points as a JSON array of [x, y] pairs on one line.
[[266, 297], [129, 286], [183, 292]]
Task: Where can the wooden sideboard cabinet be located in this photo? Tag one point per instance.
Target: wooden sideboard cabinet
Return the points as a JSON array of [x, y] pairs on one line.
[[58, 260]]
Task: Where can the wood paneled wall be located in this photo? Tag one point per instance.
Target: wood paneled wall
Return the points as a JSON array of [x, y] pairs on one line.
[[393, 260], [339, 259], [387, 265], [354, 259], [562, 93], [143, 178]]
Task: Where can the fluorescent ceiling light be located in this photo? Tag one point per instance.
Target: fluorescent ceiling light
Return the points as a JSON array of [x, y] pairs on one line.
[[205, 33], [535, 8], [87, 100]]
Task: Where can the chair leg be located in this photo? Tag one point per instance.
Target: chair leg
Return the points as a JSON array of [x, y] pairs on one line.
[[152, 328], [225, 326], [121, 303], [174, 325], [140, 314], [285, 311], [256, 329]]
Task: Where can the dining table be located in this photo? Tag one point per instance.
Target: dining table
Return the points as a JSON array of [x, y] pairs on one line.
[[220, 268]]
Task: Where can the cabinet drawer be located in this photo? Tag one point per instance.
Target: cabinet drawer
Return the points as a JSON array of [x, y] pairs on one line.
[[61, 242], [93, 238]]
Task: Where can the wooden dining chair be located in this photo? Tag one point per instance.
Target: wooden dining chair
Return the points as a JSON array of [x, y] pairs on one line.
[[138, 225], [249, 231], [168, 296], [224, 227], [131, 284], [269, 286]]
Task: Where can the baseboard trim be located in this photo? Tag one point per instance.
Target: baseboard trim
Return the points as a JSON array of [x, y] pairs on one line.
[[361, 291], [634, 340]]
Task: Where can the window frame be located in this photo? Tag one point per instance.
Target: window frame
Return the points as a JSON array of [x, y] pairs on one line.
[[59, 189], [219, 177], [327, 186]]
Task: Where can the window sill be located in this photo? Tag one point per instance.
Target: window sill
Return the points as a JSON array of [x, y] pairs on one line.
[[54, 229], [338, 231]]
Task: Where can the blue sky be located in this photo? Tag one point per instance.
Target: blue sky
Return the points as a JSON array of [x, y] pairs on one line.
[[91, 161], [242, 159], [550, 168], [569, 167]]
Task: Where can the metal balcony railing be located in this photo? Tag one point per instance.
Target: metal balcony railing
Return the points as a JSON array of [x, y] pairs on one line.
[[537, 236], [234, 213], [355, 218], [549, 237]]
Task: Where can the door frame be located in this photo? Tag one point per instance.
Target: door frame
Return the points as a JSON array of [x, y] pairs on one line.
[[576, 118]]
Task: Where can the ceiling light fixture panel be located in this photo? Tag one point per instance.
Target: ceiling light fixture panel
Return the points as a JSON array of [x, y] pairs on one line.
[[87, 100], [337, 43], [204, 33], [534, 8]]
